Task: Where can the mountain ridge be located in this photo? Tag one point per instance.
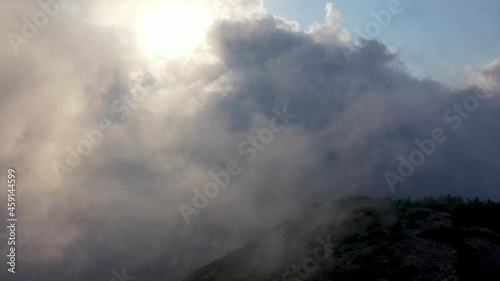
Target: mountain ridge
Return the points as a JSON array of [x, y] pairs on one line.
[[372, 239]]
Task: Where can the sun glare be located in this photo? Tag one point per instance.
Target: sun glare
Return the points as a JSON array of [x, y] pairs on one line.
[[174, 29]]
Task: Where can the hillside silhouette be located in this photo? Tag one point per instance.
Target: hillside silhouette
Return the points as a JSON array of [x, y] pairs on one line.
[[361, 238]]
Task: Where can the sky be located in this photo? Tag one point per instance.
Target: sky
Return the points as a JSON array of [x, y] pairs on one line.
[[156, 136], [437, 39]]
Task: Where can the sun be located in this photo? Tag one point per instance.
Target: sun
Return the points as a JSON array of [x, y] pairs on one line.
[[174, 29]]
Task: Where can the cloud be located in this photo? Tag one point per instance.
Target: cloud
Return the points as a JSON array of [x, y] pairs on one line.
[[331, 30], [485, 76], [118, 208]]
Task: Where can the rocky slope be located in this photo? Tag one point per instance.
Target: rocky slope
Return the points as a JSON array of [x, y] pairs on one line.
[[360, 238]]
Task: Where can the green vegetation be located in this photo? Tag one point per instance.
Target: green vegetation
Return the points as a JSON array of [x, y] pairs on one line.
[[470, 212]]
